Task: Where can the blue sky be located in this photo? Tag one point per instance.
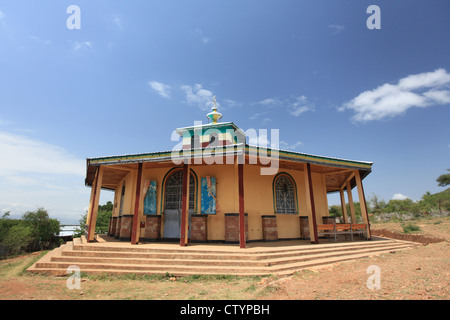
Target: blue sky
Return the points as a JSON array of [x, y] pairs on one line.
[[136, 70]]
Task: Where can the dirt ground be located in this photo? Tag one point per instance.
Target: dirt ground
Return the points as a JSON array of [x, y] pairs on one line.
[[421, 273]]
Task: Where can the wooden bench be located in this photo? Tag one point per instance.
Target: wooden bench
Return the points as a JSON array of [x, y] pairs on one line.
[[360, 229], [326, 230], [341, 229]]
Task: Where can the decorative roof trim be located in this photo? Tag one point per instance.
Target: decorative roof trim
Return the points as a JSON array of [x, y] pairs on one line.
[[227, 150]]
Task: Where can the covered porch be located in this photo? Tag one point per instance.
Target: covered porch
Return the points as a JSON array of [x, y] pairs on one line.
[[335, 175]]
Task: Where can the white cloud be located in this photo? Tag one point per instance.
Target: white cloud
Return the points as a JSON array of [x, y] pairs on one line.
[[260, 140], [294, 105], [78, 45], [4, 122], [440, 96], [336, 28], [299, 110], [21, 154], [197, 95], [299, 106], [2, 19], [198, 32], [118, 22], [162, 89], [285, 145], [436, 78], [270, 102], [231, 103], [37, 39], [389, 100], [399, 196], [37, 174], [257, 115]]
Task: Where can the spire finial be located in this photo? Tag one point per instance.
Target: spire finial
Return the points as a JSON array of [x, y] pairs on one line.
[[214, 116]]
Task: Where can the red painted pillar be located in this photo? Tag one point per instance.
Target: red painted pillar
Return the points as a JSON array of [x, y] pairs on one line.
[[313, 207], [241, 206], [136, 220], [184, 205]]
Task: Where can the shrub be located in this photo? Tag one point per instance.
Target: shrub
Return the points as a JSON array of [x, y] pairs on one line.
[[410, 227], [44, 229], [18, 238]]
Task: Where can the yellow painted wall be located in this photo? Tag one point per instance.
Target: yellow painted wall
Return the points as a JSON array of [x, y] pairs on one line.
[[258, 195], [128, 202], [226, 191]]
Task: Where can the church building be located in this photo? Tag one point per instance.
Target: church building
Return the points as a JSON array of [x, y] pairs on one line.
[[216, 188]]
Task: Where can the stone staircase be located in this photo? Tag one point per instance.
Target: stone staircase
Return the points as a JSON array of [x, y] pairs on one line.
[[123, 258]]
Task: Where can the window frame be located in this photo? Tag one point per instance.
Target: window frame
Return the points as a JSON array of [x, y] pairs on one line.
[[288, 177]]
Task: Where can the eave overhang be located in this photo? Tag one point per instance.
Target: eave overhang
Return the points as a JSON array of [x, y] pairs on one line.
[[119, 166]]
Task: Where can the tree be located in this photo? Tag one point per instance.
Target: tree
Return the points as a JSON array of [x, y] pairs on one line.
[[439, 201], [104, 214], [18, 238], [405, 205], [444, 179], [335, 211], [44, 229], [376, 204]]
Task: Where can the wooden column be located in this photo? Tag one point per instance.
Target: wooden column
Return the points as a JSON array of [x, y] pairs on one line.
[[185, 206], [310, 200], [362, 202], [350, 201], [136, 221], [343, 205], [241, 206], [93, 205]]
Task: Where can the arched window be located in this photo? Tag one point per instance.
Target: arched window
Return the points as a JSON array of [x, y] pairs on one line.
[[174, 191], [285, 194]]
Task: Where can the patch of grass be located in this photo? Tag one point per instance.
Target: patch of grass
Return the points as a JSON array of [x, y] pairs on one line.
[[305, 274], [131, 276], [167, 276], [203, 292], [410, 228], [18, 265], [218, 277], [269, 289], [251, 288], [32, 261]]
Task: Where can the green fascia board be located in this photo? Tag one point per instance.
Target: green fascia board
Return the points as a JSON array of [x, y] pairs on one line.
[[282, 155]]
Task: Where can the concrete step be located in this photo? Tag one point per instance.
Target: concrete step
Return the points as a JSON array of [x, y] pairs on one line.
[[60, 268], [182, 262], [138, 261], [290, 268], [211, 259], [192, 252], [335, 254]]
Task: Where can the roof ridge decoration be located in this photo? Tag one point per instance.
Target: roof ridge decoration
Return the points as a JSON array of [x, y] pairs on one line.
[[214, 116]]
